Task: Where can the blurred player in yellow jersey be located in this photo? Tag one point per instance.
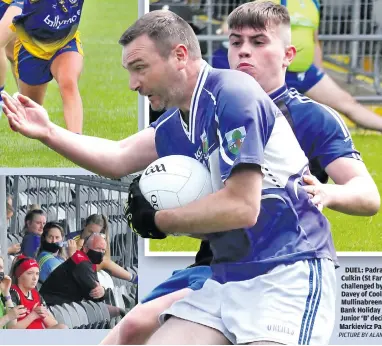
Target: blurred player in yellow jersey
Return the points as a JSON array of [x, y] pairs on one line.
[[8, 9], [48, 46]]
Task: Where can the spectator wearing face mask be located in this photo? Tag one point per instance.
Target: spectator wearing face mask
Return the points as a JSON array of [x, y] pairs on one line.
[[76, 279], [51, 252], [97, 223]]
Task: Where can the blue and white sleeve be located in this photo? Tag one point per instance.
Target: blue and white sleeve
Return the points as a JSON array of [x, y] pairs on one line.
[[245, 117], [335, 140]]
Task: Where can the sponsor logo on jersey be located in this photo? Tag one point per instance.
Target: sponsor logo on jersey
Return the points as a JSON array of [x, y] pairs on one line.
[[235, 139], [57, 23], [204, 139], [202, 154], [301, 76]]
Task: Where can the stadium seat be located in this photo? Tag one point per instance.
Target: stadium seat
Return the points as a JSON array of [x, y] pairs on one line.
[[66, 316], [118, 298], [57, 315], [109, 297], [105, 313], [81, 312], [92, 318], [129, 302], [73, 315], [99, 315], [105, 279], [123, 290]]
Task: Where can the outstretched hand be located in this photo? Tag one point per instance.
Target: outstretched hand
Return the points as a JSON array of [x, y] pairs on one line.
[[26, 116]]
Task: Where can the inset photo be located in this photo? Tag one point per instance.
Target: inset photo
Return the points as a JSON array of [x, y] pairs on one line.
[[68, 256], [65, 57]]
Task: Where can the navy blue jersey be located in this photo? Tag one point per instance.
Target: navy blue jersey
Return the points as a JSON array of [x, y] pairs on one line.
[[320, 130], [321, 133], [232, 121]]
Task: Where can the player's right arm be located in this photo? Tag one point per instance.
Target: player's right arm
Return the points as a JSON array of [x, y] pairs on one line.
[[113, 159], [354, 191]]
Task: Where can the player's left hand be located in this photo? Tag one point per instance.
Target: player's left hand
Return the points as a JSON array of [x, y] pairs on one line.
[[140, 214], [316, 191]]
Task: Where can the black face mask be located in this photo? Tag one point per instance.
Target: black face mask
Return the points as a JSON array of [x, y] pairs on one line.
[[50, 247], [2, 276], [95, 257]]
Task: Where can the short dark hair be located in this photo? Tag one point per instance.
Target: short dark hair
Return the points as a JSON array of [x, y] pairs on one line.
[[258, 15], [166, 29]]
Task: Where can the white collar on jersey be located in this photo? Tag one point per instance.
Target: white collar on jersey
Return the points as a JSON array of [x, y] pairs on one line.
[[203, 73]]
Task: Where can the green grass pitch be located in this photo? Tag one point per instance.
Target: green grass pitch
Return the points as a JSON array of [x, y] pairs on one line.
[[351, 233], [110, 108]]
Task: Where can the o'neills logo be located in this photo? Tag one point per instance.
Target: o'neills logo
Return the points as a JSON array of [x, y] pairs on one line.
[[57, 23], [280, 329]]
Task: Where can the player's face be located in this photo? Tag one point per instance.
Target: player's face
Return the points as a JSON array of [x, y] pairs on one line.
[[151, 74], [262, 54], [29, 278]]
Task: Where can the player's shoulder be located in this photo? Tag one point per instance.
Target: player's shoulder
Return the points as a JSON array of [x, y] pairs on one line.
[[312, 111], [167, 115], [231, 79], [234, 86]]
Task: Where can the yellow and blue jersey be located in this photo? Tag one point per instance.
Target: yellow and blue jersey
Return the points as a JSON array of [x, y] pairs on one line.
[[46, 26], [305, 20]]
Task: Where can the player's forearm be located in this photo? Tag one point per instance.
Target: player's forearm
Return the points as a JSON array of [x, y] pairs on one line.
[[364, 117], [98, 155], [217, 212], [359, 196]]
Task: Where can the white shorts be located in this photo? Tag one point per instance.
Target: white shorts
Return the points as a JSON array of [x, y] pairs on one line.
[[291, 304]]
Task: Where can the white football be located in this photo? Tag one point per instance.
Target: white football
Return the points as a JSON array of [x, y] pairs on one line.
[[174, 181]]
